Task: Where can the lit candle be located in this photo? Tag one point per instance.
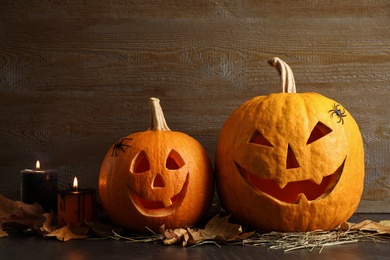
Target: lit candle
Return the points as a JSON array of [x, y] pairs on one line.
[[40, 186], [77, 206]]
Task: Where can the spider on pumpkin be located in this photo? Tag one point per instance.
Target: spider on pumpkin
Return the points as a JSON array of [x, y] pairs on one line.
[[119, 146], [336, 111]]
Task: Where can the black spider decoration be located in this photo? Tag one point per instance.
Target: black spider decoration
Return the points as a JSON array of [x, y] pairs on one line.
[[119, 146], [337, 111]]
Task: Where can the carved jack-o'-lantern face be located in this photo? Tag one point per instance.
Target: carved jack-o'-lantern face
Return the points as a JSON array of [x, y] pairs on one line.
[[159, 187], [287, 160], [290, 162], [156, 177]]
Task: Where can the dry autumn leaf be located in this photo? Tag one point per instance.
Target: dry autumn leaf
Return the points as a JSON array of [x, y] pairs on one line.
[[173, 236], [18, 214], [369, 225], [218, 229], [385, 223], [3, 233], [66, 233], [46, 226], [7, 207]]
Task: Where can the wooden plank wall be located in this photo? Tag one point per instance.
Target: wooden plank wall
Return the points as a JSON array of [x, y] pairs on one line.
[[76, 75]]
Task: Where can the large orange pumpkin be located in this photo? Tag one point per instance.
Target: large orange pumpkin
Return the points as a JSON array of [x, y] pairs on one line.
[[156, 177], [289, 161]]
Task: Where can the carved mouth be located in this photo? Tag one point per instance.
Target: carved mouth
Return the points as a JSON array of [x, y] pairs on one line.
[[158, 208], [293, 192]]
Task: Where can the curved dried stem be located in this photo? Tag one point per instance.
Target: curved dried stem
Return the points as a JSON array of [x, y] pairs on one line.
[[286, 75], [157, 119]]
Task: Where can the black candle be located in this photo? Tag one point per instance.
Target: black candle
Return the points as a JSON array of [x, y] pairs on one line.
[[40, 186]]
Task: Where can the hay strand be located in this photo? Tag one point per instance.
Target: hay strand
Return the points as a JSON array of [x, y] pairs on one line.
[[312, 240]]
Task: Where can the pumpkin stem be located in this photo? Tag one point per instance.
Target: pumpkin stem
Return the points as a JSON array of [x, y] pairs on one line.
[[157, 119], [286, 75]]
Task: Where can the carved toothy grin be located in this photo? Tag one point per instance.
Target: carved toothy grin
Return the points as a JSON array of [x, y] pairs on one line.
[[293, 192], [158, 208]]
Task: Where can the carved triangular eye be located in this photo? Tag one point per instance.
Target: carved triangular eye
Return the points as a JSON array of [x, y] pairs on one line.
[[140, 163], [319, 131], [291, 161], [174, 161], [258, 138]]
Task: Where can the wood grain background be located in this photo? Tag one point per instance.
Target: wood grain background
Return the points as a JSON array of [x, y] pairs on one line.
[[75, 76]]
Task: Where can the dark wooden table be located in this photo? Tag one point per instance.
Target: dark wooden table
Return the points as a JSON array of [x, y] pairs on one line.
[[23, 246]]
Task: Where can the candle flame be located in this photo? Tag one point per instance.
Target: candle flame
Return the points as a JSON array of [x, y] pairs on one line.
[[75, 183], [38, 165]]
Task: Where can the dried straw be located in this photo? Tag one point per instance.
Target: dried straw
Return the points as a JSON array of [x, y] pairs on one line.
[[312, 240]]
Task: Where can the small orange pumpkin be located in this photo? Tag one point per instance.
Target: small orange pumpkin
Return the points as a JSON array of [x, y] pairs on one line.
[[289, 161], [156, 177]]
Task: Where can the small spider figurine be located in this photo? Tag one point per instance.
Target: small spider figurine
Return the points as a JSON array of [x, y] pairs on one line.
[[336, 111], [119, 146]]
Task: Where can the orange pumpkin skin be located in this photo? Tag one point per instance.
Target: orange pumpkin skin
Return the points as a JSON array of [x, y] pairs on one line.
[[273, 157], [164, 177]]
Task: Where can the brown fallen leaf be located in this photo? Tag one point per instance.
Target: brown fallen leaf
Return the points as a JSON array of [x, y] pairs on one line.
[[3, 233], [67, 232], [19, 215], [46, 226], [173, 236], [7, 207], [369, 225], [218, 229], [385, 223]]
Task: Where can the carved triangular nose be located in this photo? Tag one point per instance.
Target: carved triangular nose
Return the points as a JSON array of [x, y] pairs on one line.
[[291, 161], [158, 182]]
